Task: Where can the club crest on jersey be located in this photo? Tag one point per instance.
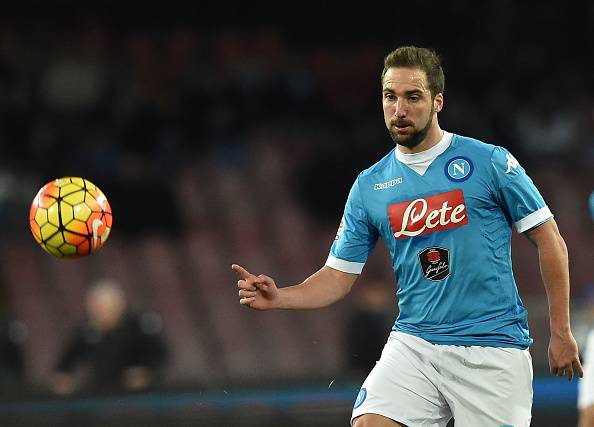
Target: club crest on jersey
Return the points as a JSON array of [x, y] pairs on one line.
[[435, 263], [459, 169], [427, 215]]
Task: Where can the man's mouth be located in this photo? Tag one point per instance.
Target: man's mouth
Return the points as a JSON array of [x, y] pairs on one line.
[[402, 126]]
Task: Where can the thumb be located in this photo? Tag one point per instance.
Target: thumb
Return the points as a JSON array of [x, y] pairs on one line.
[[264, 281]]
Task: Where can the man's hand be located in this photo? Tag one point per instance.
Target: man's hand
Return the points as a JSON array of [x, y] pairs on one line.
[[257, 292], [564, 356]]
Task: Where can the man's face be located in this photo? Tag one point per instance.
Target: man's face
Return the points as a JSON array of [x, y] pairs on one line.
[[408, 105], [105, 307]]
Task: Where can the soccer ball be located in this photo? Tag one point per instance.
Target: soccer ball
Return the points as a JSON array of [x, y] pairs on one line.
[[70, 217]]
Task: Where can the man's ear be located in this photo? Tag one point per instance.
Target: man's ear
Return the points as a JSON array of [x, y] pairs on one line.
[[438, 102]]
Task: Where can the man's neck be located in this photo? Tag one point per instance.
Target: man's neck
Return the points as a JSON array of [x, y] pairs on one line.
[[431, 139]]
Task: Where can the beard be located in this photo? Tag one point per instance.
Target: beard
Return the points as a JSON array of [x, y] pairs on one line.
[[416, 137]]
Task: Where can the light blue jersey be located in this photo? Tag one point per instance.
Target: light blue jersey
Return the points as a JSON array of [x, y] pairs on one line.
[[447, 222]]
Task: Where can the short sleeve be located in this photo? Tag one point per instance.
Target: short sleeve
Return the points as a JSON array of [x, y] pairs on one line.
[[356, 236], [517, 193]]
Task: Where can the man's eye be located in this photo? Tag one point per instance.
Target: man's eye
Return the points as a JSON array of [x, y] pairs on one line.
[[413, 98]]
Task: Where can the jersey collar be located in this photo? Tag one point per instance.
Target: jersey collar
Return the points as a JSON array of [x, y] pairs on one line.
[[428, 155]]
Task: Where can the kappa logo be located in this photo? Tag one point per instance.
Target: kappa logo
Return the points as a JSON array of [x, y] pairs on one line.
[[387, 184], [512, 163], [427, 215]]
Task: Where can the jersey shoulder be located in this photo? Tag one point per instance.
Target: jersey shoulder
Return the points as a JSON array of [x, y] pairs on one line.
[[473, 146], [486, 156]]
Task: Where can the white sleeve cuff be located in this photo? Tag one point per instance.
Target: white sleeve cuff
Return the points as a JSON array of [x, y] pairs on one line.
[[534, 219], [345, 266]]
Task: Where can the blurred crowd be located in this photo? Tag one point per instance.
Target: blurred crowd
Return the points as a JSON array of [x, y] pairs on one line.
[[228, 136], [136, 108]]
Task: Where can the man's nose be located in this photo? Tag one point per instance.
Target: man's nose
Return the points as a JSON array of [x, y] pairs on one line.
[[401, 108]]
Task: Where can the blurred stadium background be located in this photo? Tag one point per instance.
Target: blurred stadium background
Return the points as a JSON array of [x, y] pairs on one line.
[[231, 132]]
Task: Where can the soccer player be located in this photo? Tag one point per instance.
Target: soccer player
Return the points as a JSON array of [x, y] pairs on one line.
[[445, 205]]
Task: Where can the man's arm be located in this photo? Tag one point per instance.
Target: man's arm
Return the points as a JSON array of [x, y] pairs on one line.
[[324, 287], [62, 380], [554, 268]]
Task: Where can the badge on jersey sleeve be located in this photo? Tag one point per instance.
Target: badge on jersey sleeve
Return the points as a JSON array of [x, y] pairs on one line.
[[435, 263]]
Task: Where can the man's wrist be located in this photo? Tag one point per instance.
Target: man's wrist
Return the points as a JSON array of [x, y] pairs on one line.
[[281, 300], [560, 329]]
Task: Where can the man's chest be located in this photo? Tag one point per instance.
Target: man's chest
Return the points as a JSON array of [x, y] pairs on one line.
[[411, 205]]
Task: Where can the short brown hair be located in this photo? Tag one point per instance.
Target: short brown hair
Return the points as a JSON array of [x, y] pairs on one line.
[[418, 57]]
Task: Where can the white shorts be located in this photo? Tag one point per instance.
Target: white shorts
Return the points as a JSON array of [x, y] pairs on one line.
[[417, 383]]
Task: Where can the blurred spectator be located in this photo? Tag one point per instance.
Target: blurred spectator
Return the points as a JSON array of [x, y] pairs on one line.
[[12, 370], [541, 122], [13, 334], [368, 326], [113, 349]]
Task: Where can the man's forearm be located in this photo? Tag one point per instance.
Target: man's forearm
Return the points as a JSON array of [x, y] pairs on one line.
[[554, 267], [321, 289]]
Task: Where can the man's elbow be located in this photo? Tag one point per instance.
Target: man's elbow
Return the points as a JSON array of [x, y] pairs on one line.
[[547, 237], [562, 247]]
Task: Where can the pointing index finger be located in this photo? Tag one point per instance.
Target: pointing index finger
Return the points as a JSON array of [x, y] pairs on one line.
[[241, 272]]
